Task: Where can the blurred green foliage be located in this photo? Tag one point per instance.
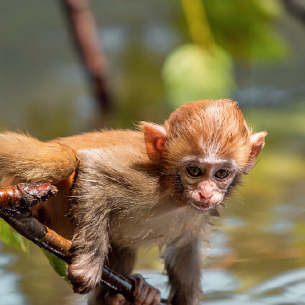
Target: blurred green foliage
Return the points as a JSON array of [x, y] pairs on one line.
[[236, 29], [246, 29], [285, 126], [49, 121], [192, 72], [11, 237]]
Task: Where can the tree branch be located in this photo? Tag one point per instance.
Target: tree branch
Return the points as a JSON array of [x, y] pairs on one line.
[[86, 40], [295, 9]]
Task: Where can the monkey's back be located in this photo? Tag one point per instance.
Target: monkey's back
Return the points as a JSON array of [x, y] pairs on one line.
[[103, 138], [54, 213]]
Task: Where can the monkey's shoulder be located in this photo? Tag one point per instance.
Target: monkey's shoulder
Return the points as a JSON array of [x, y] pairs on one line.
[[123, 165], [122, 155]]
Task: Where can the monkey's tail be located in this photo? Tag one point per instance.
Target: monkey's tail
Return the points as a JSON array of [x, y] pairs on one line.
[[26, 159]]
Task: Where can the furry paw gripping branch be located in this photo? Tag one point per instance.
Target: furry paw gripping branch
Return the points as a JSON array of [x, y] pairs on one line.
[[120, 190]]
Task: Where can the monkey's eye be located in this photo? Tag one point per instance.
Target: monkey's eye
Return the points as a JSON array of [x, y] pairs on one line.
[[222, 173], [194, 171]]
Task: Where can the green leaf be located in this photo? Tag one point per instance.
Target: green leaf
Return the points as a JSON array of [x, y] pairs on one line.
[[10, 237], [192, 73], [57, 264]]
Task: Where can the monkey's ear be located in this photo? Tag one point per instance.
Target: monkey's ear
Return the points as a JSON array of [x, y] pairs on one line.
[[257, 143], [154, 137]]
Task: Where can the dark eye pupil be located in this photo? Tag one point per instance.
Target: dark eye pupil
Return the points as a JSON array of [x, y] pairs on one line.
[[222, 173], [194, 171]]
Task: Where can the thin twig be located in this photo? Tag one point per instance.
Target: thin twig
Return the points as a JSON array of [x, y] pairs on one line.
[[85, 36], [295, 9]]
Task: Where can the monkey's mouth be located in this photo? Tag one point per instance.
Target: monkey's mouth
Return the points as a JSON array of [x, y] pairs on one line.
[[203, 205]]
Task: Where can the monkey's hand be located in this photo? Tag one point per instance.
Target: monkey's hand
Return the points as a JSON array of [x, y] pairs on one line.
[[144, 294], [84, 274]]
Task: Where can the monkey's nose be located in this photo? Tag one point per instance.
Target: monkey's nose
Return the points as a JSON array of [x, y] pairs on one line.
[[205, 195]]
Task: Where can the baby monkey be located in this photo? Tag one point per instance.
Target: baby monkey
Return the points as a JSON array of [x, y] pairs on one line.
[[120, 190]]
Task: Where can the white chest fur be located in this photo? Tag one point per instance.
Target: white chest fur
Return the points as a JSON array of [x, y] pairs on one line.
[[158, 228]]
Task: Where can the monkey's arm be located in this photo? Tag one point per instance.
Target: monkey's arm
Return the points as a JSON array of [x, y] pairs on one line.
[[182, 263], [26, 159], [89, 248], [89, 209]]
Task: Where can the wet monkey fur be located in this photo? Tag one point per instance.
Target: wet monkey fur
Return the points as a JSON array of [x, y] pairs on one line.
[[121, 190]]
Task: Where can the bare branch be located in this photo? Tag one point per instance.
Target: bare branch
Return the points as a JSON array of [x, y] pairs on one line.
[[295, 9], [86, 40]]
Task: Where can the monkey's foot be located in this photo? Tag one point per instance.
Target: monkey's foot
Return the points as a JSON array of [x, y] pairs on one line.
[[115, 299], [144, 294]]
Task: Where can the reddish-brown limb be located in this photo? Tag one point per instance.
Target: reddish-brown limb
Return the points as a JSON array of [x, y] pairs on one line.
[[86, 39], [14, 203]]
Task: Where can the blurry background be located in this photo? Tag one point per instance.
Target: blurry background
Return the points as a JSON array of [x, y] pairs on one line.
[[161, 54]]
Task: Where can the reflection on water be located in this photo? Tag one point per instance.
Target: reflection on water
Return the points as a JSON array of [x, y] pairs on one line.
[[9, 282], [219, 287]]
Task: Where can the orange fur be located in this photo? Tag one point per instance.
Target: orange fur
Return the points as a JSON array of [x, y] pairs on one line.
[[208, 128], [30, 160]]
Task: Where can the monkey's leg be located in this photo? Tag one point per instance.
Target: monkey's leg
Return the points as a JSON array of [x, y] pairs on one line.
[[122, 260], [26, 159], [182, 263]]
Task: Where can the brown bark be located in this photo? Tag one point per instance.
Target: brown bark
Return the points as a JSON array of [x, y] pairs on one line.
[[296, 9], [86, 40]]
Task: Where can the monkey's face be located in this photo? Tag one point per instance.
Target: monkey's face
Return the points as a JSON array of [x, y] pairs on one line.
[[206, 181]]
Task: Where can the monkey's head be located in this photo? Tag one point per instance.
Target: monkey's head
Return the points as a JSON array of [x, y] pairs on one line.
[[205, 146]]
